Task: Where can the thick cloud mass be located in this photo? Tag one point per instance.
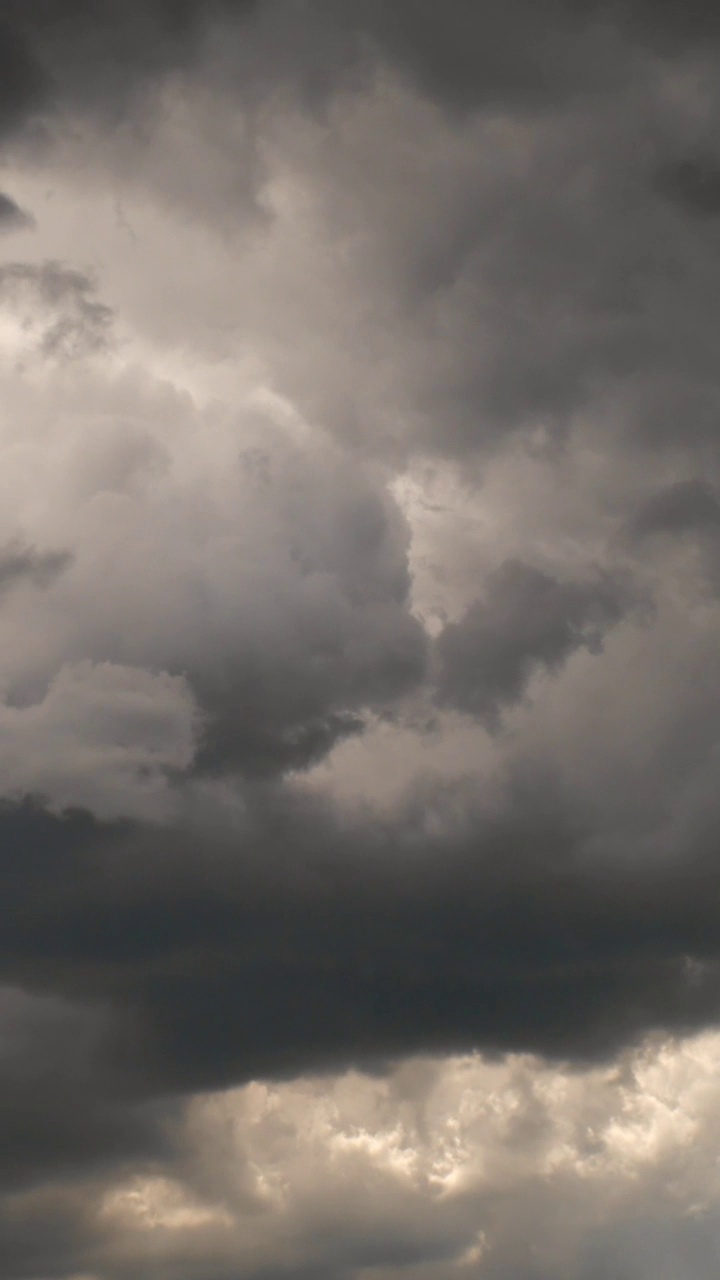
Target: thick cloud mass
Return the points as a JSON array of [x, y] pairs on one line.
[[359, 640], [98, 53]]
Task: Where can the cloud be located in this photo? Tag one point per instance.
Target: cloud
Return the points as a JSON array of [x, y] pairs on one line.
[[104, 738], [525, 56], [694, 185], [492, 278], [123, 49], [287, 607], [440, 1167], [666, 25], [12, 217], [21, 75], [79, 325], [526, 622], [20, 563], [236, 530], [682, 519], [686, 506], [60, 1117], [359, 661], [263, 933]]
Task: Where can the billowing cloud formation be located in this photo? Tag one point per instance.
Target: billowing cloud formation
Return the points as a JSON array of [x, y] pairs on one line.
[[453, 1168], [425, 1169], [269, 569], [360, 623]]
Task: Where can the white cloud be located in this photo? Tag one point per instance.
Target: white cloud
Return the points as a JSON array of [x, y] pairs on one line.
[[458, 1164]]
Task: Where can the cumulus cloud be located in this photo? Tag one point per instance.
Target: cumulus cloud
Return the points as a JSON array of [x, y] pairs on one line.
[[359, 621], [287, 604], [458, 1167]]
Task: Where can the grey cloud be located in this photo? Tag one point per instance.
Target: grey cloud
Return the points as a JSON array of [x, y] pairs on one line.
[[688, 506], [487, 245], [96, 56], [694, 185], [22, 80], [288, 608], [92, 56], [60, 1117], [78, 324], [686, 512], [12, 217], [569, 302], [525, 622], [522, 56], [275, 706], [508, 278], [305, 941], [291, 936], [550, 282], [105, 738], [667, 25], [20, 563], [64, 1129]]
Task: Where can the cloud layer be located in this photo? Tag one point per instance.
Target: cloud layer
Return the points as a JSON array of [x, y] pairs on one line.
[[359, 604]]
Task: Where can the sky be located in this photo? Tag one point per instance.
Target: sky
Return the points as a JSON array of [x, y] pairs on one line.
[[359, 640]]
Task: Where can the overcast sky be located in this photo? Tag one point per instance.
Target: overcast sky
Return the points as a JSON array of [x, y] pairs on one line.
[[360, 640]]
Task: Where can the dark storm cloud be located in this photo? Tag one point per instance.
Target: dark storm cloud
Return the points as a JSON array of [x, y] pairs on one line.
[[95, 54], [303, 942], [560, 899], [60, 1115], [526, 621], [266, 720], [63, 1122], [92, 54], [243, 731], [521, 55], [567, 293]]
